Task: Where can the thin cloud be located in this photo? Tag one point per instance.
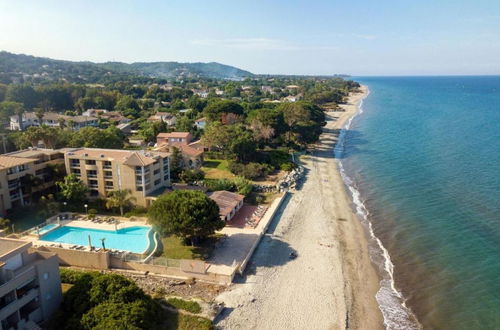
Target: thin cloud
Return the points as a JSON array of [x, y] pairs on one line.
[[258, 44]]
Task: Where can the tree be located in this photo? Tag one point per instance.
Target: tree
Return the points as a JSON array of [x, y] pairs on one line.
[[93, 137], [4, 224], [9, 108], [176, 162], [186, 213], [72, 189], [216, 109], [119, 199], [23, 93]]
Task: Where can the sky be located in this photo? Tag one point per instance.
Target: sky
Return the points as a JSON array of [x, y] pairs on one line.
[[359, 37]]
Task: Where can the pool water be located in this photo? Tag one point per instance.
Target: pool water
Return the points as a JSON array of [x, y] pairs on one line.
[[44, 229], [133, 239]]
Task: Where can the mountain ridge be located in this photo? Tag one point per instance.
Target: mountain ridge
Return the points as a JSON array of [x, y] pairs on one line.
[[27, 67]]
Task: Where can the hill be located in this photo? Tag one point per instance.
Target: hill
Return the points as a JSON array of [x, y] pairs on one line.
[[20, 68]]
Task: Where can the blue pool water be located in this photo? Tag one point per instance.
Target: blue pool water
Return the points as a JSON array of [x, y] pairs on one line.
[[44, 229], [424, 160], [133, 239]]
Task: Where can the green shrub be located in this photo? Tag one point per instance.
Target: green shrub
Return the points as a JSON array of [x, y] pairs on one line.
[[219, 184], [72, 276], [137, 211], [92, 213], [250, 171], [243, 186], [190, 306], [190, 176], [287, 166]]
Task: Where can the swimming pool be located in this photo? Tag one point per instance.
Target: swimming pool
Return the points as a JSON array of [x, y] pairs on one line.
[[134, 239], [43, 230]]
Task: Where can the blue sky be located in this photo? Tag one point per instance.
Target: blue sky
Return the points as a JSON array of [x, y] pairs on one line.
[[361, 37]]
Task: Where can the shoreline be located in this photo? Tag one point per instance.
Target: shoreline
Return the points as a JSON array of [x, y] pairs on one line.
[[332, 283]]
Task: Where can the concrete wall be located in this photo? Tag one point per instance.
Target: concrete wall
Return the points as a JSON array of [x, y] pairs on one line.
[[77, 258], [263, 224]]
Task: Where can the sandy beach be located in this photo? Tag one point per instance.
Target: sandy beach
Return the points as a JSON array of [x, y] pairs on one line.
[[332, 283]]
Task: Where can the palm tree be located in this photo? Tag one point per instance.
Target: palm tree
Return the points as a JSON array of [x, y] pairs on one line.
[[119, 199]]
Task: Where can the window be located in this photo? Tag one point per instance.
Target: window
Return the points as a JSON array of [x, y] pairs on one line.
[[76, 171], [156, 171], [90, 162], [93, 183], [94, 193], [109, 184], [74, 162], [46, 276], [157, 182], [108, 174], [165, 178], [138, 188], [138, 178], [107, 164], [92, 174]]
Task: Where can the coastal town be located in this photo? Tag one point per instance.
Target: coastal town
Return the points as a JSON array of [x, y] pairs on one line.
[[170, 186]]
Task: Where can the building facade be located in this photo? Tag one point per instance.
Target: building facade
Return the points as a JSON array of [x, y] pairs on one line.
[[30, 285], [51, 119], [25, 173], [144, 173]]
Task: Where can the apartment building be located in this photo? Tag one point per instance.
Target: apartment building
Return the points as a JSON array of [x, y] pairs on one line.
[[17, 173], [30, 285], [145, 173], [51, 119]]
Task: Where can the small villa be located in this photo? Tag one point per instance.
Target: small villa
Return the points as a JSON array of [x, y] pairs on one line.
[[229, 203]]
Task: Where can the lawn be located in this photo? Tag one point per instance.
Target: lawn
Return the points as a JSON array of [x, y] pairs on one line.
[[217, 169], [173, 248], [186, 322]]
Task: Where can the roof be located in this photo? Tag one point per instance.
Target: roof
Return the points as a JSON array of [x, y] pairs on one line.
[[190, 151], [32, 152], [174, 135], [9, 245], [56, 116], [200, 120], [9, 161], [226, 200], [126, 157]]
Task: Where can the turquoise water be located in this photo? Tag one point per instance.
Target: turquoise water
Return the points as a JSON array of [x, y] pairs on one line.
[[44, 229], [133, 239], [423, 164]]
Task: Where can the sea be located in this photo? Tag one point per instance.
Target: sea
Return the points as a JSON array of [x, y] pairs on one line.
[[421, 160]]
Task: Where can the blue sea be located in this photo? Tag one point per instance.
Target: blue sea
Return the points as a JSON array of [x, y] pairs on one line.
[[422, 162]]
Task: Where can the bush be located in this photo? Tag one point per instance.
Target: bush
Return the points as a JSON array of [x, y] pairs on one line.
[[190, 306], [190, 176], [73, 276], [287, 166], [219, 184], [138, 211], [243, 186], [250, 171], [92, 213]]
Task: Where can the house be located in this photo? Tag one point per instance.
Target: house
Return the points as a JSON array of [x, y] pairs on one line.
[[201, 93], [51, 119], [174, 138], [105, 170], [292, 98], [200, 123], [94, 112], [115, 117], [30, 285], [166, 117], [17, 172], [267, 89], [229, 203], [125, 128]]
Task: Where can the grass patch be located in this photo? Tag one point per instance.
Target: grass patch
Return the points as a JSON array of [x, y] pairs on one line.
[[190, 306], [178, 321], [65, 287], [174, 248], [217, 169]]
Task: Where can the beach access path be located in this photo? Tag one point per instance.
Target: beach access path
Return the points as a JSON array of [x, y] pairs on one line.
[[332, 283]]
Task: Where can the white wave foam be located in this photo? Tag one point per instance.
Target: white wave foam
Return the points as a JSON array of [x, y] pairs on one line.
[[391, 301]]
